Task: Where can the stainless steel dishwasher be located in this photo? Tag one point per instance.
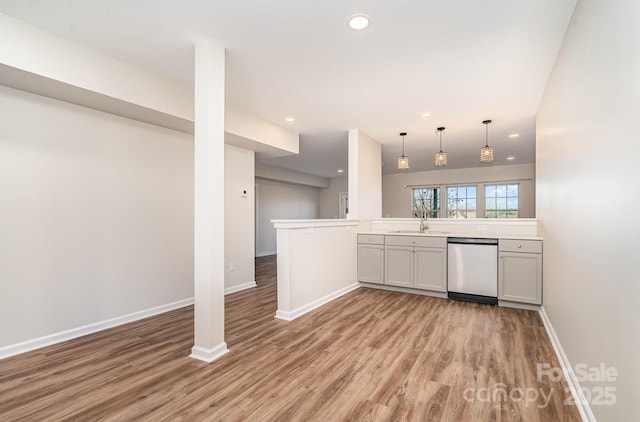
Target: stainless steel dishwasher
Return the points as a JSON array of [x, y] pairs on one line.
[[473, 269]]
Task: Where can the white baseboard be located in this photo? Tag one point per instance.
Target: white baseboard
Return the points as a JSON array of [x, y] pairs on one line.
[[578, 397], [239, 287], [208, 355], [419, 292], [37, 343], [518, 305], [291, 315], [268, 253]]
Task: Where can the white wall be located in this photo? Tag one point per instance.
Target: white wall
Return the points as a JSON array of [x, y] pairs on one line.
[[396, 199], [330, 197], [239, 217], [587, 174], [276, 200], [365, 176], [96, 218]]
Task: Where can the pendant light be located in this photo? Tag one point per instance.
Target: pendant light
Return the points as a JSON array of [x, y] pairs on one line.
[[486, 152], [441, 157], [403, 160]]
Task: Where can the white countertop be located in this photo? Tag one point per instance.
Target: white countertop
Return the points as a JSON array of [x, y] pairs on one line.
[[436, 233], [303, 224]]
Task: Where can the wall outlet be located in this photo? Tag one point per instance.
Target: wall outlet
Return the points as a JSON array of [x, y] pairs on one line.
[[244, 193], [232, 266]]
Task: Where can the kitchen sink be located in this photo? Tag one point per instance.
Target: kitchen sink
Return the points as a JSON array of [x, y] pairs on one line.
[[418, 232]]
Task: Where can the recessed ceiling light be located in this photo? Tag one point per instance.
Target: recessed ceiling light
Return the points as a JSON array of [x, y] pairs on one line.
[[514, 135], [340, 171], [358, 22], [426, 114], [290, 119], [511, 158]]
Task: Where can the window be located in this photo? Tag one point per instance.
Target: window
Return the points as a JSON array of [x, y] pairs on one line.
[[427, 199], [461, 201], [501, 201]]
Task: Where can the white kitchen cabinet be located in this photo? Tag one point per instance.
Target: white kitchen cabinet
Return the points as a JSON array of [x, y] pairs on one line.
[[520, 271], [399, 263], [416, 262], [371, 258], [431, 269]]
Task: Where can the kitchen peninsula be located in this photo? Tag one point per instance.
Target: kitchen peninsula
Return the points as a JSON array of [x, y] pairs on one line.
[[318, 259]]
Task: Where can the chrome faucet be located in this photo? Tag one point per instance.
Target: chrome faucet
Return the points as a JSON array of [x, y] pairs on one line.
[[424, 224]]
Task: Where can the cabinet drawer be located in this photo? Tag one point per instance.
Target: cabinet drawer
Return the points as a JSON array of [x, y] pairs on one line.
[[422, 241], [377, 239], [516, 245]]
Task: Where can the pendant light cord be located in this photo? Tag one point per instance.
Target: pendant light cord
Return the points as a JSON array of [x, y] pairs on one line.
[[486, 139], [440, 130], [403, 145]]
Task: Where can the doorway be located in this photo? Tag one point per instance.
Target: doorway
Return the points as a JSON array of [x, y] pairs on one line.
[[344, 204]]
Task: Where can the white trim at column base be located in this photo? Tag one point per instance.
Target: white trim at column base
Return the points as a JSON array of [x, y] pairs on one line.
[[208, 355], [576, 391]]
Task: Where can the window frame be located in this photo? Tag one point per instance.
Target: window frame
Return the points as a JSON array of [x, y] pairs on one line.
[[466, 199], [481, 199], [433, 212], [509, 213]]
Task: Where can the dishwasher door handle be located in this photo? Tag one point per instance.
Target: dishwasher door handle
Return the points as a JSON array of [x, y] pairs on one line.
[[472, 240]]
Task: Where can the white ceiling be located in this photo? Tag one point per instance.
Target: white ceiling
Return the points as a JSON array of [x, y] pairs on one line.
[[462, 60]]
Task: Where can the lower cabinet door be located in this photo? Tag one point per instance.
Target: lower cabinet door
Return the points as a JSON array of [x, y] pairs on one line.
[[520, 277], [371, 263], [430, 269], [398, 266]]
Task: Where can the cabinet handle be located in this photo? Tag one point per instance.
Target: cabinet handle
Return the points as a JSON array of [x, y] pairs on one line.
[[519, 246], [500, 256]]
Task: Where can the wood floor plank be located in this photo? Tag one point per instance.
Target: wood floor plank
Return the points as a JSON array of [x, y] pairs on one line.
[[371, 355]]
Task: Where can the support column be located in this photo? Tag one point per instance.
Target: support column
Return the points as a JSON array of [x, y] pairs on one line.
[[209, 341], [365, 176]]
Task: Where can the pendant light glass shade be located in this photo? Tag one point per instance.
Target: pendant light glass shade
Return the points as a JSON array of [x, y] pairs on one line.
[[441, 156], [486, 152], [403, 160]]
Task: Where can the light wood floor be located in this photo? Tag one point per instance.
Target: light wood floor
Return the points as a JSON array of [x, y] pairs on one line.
[[369, 355]]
